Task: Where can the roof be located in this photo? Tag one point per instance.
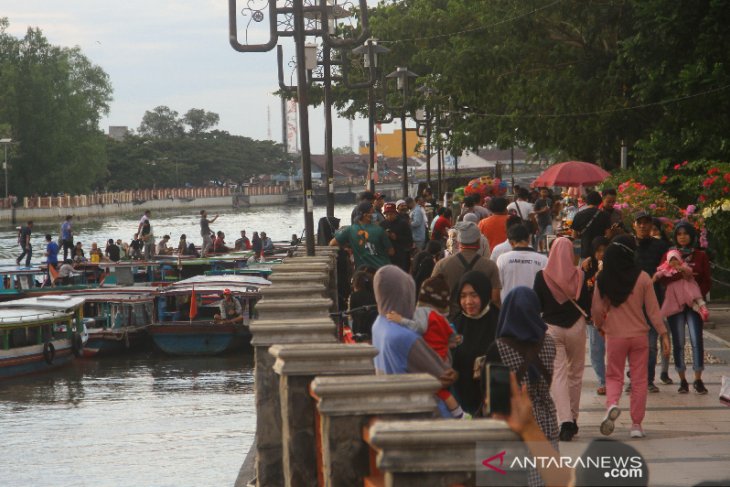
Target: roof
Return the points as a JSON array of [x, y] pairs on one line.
[[51, 302], [224, 280]]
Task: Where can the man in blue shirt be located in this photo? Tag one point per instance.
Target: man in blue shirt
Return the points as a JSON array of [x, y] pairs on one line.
[[51, 252]]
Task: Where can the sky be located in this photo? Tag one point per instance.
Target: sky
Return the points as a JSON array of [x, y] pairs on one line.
[[175, 53]]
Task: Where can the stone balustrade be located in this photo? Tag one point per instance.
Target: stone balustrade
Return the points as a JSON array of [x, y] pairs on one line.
[[347, 404]]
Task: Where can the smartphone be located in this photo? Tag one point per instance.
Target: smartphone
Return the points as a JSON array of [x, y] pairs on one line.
[[497, 396]]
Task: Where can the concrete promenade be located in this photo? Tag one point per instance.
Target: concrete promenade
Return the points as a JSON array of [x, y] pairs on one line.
[[687, 435]]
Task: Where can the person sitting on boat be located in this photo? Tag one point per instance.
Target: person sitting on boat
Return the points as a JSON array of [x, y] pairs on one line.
[[182, 245], [162, 248], [65, 272], [231, 310], [95, 255], [243, 243], [266, 242], [79, 255], [112, 251], [219, 245], [295, 240], [124, 247], [135, 247]]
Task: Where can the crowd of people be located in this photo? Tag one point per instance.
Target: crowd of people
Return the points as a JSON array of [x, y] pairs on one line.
[[529, 283], [142, 246]]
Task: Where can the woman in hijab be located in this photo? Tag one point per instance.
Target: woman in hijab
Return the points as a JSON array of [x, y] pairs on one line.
[[526, 348], [477, 324], [685, 239], [623, 299], [564, 301], [401, 350]]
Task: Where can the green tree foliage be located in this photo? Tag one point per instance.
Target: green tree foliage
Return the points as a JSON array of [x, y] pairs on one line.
[[161, 122], [200, 121], [51, 98], [566, 76], [143, 162]]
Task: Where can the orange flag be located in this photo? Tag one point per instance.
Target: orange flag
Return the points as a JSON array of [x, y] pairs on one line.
[[193, 305]]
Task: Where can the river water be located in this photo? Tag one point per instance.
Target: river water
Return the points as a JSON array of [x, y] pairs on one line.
[[144, 419]]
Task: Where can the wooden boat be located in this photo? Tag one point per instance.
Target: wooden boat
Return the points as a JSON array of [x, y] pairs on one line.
[[117, 318], [177, 334], [39, 333], [21, 282]]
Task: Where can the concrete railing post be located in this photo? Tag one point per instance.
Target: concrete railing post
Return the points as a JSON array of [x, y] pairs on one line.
[[347, 404], [431, 453], [297, 365]]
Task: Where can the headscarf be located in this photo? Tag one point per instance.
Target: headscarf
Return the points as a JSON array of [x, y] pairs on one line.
[[562, 277], [520, 317], [620, 271], [394, 291], [483, 287], [691, 231], [471, 217]]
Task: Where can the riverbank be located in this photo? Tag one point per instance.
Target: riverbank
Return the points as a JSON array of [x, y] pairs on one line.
[[16, 215]]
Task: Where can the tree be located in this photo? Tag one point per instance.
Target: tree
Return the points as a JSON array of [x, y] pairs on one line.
[[53, 99], [342, 151], [161, 122], [200, 121]]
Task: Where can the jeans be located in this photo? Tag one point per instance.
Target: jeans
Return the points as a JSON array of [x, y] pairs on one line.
[[653, 336], [598, 354], [27, 253], [694, 323]]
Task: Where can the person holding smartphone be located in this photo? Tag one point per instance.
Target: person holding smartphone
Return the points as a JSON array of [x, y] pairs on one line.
[[524, 345]]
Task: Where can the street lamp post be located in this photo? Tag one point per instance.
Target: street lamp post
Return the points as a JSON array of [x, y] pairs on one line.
[[403, 75], [6, 142]]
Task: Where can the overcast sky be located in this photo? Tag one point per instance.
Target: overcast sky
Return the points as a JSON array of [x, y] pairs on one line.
[[174, 53]]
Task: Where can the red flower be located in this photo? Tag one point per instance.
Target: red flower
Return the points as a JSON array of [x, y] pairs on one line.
[[685, 163], [712, 171], [726, 176], [726, 189], [663, 180], [702, 198], [709, 181], [677, 167]]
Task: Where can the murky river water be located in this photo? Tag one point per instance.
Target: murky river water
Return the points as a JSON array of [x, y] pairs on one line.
[[139, 420]]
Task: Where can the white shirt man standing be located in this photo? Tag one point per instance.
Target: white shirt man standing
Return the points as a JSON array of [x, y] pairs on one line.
[[519, 266]]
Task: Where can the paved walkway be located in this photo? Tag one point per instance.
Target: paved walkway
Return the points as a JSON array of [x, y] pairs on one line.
[[688, 435]]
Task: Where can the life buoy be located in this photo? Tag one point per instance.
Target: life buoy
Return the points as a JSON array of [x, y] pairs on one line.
[[49, 352], [77, 345]]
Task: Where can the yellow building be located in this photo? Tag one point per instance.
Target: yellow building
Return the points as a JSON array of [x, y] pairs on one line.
[[389, 145]]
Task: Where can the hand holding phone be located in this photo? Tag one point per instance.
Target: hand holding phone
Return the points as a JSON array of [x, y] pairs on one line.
[[498, 393]]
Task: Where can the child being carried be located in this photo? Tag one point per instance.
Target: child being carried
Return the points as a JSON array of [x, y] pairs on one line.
[[429, 321], [683, 291]]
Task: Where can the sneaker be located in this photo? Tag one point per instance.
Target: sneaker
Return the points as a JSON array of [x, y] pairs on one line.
[[653, 388], [566, 432], [628, 387], [637, 431], [466, 416], [607, 424], [665, 379], [699, 387], [683, 387], [704, 313]]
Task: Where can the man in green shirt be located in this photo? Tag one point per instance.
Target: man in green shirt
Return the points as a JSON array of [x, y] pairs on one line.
[[370, 245]]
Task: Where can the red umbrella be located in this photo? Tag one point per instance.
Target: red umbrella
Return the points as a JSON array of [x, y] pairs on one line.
[[571, 173]]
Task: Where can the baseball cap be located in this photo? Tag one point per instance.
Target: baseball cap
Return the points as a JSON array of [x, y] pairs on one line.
[[226, 291], [389, 208], [643, 214]]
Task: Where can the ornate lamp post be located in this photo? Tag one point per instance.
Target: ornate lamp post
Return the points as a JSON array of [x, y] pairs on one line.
[[287, 19], [403, 75]]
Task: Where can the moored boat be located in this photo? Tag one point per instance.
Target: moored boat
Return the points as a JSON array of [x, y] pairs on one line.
[[186, 313], [117, 318], [39, 333]]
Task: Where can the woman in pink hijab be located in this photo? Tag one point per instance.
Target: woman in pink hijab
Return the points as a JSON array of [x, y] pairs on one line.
[[565, 301]]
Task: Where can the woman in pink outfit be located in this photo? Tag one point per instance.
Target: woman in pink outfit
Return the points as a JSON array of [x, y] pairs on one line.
[[623, 292]]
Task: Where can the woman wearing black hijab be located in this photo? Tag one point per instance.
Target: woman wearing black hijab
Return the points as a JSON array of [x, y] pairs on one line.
[[477, 324]]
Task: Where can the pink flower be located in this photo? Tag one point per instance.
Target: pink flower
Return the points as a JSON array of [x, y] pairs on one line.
[[691, 209], [677, 167], [663, 180], [652, 206], [685, 163]]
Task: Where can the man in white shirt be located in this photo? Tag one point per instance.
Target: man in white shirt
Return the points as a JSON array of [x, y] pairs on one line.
[[519, 266], [418, 221], [521, 206]]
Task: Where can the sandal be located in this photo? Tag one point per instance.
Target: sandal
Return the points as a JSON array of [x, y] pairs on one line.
[[601, 391]]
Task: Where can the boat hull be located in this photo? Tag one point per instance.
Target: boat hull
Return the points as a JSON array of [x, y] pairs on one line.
[[111, 342], [30, 360], [198, 339]]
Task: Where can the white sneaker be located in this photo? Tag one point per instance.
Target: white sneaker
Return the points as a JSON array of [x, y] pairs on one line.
[[607, 424], [637, 431]]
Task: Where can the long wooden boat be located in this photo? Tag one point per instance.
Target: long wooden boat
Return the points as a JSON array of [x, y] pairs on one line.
[[117, 318], [39, 333], [177, 334]]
